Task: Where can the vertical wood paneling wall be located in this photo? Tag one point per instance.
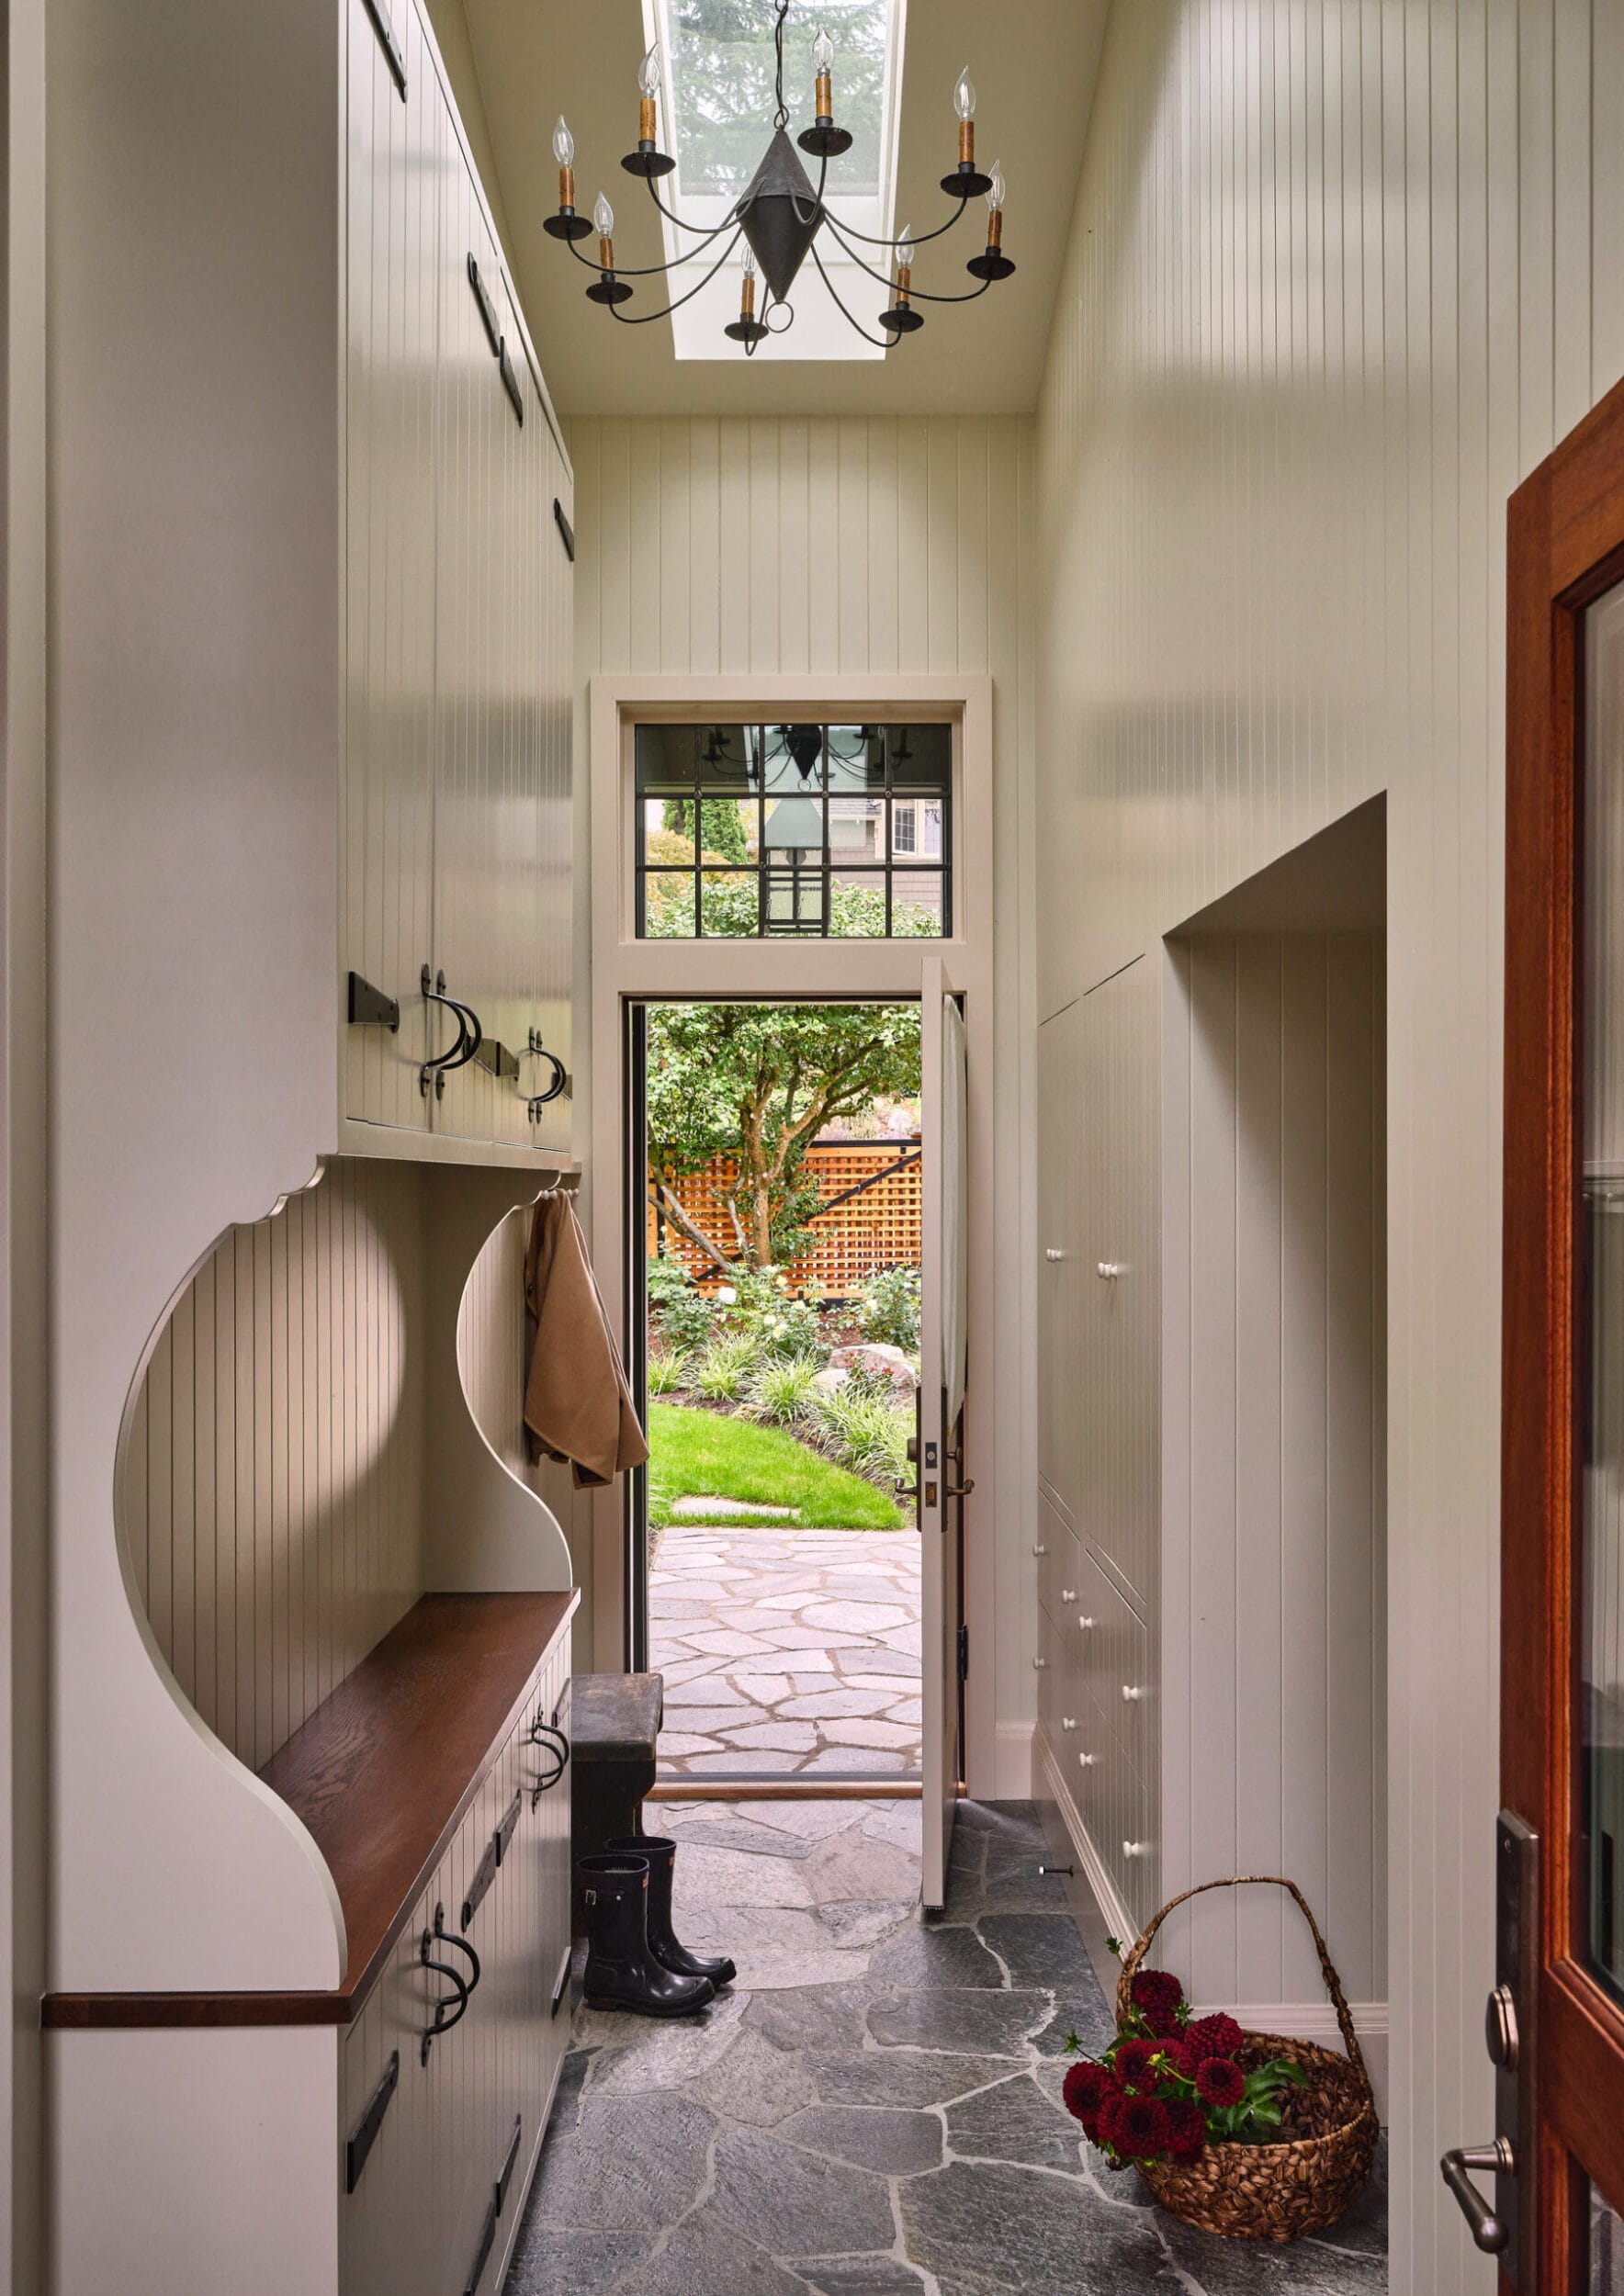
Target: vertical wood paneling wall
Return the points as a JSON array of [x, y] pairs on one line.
[[273, 1487], [1274, 1444], [271, 1494], [1340, 274], [849, 545]]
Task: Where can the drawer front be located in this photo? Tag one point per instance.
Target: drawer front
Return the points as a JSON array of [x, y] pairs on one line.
[[1117, 1669], [1058, 1565]]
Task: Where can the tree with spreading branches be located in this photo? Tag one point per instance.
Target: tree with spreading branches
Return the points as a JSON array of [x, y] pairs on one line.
[[758, 1083]]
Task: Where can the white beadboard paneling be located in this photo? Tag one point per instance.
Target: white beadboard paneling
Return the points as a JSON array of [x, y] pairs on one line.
[[271, 1487], [840, 545], [1274, 1557], [1339, 275]]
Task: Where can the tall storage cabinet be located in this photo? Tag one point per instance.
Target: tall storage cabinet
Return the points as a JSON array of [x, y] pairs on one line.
[[310, 613], [1098, 1532], [458, 634]]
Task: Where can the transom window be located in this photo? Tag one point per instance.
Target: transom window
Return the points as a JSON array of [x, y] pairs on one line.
[[834, 832]]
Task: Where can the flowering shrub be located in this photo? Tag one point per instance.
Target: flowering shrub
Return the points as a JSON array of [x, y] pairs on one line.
[[888, 1307], [1170, 2084], [778, 1325], [682, 1315]]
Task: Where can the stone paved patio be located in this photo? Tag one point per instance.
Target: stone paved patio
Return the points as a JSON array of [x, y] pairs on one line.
[[787, 1651], [874, 2108]]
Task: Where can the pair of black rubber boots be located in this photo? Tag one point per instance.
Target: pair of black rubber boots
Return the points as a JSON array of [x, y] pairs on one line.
[[634, 1960]]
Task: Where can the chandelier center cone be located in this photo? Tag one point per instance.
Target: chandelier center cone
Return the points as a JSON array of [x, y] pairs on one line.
[[779, 215]]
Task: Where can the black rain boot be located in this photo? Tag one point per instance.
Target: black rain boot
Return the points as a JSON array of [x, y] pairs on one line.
[[662, 1854], [621, 1970]]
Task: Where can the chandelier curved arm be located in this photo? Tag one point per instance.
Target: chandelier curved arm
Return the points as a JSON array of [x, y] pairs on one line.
[[671, 215], [884, 341], [644, 317], [923, 238], [652, 270], [919, 295]]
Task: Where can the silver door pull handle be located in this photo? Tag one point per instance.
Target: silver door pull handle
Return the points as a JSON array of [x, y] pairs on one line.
[[1068, 1595], [1040, 1663], [1130, 1695], [1109, 1269], [1040, 1549], [1133, 1848], [1491, 2233], [1051, 1254], [1084, 1623], [1068, 1722], [1087, 1761]]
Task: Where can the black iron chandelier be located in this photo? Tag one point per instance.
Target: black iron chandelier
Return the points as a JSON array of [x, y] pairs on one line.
[[781, 215]]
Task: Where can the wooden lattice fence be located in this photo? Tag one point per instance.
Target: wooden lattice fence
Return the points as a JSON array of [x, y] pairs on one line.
[[875, 1228]]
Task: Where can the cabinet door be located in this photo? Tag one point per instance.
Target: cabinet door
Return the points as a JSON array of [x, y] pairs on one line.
[[555, 905], [1120, 1278], [392, 210], [486, 833], [1057, 1241]]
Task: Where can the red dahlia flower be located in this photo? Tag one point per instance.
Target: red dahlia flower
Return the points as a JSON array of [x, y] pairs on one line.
[[1138, 2127], [1088, 2089], [1180, 2057], [1221, 2081], [1133, 2063], [1186, 2132], [1158, 1997], [1217, 2036]]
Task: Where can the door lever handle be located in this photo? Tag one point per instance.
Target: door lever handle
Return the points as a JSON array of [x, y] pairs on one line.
[[962, 1491], [1491, 2233]]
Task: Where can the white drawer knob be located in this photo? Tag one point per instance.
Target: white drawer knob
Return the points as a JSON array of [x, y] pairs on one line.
[[1133, 1849], [1068, 1595], [1131, 1697], [1067, 1722], [1040, 1664], [1040, 1549], [1051, 1254], [1109, 1269], [1087, 1761]]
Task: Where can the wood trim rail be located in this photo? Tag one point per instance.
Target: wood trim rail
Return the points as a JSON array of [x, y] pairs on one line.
[[381, 1775]]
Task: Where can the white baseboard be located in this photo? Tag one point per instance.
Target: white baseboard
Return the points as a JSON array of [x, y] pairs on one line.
[[1105, 1915]]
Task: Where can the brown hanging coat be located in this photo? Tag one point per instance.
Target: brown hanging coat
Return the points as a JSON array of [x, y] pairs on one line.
[[578, 1406]]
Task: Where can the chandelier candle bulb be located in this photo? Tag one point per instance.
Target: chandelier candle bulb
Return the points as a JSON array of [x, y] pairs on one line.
[[823, 56], [648, 89], [964, 103], [905, 247], [604, 220]]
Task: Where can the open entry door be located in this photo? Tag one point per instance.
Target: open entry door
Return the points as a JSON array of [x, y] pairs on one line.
[[942, 1484]]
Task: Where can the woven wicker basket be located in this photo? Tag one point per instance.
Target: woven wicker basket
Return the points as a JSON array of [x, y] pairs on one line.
[[1329, 2129]]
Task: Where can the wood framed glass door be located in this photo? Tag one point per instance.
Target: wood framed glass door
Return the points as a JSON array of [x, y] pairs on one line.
[[1556, 2021]]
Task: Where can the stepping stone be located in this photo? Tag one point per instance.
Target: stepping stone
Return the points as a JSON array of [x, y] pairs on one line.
[[853, 1761], [742, 1762], [856, 1617], [869, 1734], [708, 1719], [894, 2141], [822, 1706], [790, 1738], [705, 1690], [674, 1745], [765, 1689]]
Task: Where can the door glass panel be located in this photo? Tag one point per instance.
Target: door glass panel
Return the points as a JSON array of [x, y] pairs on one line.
[[1600, 1720]]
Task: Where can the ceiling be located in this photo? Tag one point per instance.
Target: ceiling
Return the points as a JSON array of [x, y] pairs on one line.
[[1033, 63]]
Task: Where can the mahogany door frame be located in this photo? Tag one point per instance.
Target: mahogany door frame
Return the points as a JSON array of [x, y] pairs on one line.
[[1565, 548]]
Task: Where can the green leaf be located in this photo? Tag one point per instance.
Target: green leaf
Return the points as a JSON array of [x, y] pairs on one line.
[[1113, 1945]]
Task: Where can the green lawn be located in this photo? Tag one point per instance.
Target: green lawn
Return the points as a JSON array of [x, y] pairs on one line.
[[696, 1453]]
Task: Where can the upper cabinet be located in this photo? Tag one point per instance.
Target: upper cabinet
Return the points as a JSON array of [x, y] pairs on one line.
[[458, 630]]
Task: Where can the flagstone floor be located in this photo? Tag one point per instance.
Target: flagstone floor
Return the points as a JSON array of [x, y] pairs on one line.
[[787, 1651], [874, 2108]]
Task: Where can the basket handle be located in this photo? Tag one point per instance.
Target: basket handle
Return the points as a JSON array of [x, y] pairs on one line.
[[1142, 1946]]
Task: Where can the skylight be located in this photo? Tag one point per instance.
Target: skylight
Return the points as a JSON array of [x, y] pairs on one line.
[[718, 101]]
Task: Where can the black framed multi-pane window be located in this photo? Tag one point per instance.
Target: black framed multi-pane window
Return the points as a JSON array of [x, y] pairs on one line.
[[831, 832]]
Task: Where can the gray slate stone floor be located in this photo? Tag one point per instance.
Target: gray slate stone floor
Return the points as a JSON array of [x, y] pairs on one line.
[[874, 2108]]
